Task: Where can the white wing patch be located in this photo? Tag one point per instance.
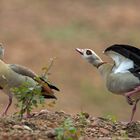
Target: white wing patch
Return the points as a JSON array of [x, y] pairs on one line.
[[122, 64]]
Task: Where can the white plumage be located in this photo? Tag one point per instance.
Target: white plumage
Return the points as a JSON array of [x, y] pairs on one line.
[[122, 64]]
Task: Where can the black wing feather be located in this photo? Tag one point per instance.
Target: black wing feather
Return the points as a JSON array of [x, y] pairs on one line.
[[128, 51], [50, 85]]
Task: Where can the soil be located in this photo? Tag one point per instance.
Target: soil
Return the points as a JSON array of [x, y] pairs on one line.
[[43, 124]]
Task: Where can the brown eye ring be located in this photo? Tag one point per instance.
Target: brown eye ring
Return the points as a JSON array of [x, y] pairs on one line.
[[88, 52]]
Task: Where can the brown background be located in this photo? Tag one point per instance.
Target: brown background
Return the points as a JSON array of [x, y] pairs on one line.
[[33, 31]]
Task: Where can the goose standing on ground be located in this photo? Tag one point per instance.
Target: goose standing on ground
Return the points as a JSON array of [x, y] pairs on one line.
[[122, 77], [14, 75]]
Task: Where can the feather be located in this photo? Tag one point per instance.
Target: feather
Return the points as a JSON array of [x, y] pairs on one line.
[[46, 87], [22, 70], [126, 58], [127, 51], [122, 64]]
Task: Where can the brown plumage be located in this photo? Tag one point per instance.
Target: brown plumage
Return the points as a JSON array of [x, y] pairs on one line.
[[46, 87]]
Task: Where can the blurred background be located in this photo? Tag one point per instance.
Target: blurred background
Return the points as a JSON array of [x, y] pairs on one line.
[[33, 31]]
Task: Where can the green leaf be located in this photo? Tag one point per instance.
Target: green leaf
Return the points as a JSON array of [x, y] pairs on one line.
[[28, 97], [72, 130]]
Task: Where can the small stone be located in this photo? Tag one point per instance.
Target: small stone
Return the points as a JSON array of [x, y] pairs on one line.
[[17, 127], [96, 132], [104, 131], [88, 129], [62, 111], [27, 128], [51, 133], [92, 118], [22, 127], [95, 123], [93, 130], [45, 111], [101, 135]]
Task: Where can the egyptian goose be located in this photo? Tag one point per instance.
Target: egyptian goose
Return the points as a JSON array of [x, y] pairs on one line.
[[122, 77], [14, 75]]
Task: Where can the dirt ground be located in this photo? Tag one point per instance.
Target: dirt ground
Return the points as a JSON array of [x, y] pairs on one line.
[[35, 31], [43, 125]]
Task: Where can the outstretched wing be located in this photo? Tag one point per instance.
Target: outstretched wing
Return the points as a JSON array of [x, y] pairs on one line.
[[127, 51], [126, 57]]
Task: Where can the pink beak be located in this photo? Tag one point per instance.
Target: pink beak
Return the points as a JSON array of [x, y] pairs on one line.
[[81, 51]]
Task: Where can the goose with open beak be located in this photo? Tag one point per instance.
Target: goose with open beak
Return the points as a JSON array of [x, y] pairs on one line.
[[14, 75], [122, 77]]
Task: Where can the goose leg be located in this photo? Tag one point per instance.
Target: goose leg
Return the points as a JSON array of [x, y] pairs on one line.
[[28, 114], [129, 94], [8, 105], [134, 110]]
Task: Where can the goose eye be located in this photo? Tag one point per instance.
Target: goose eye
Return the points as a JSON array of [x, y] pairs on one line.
[[88, 52]]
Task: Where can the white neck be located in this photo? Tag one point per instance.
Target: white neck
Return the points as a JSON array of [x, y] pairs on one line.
[[95, 60]]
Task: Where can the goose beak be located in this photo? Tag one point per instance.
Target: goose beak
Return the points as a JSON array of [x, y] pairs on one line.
[[81, 51]]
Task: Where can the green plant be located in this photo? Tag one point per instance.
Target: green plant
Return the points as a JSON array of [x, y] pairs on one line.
[[123, 134], [111, 118], [28, 97], [46, 69], [67, 131], [82, 119]]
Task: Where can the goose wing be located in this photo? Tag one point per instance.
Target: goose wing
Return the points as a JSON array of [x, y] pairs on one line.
[[126, 58], [23, 70], [46, 87], [130, 52]]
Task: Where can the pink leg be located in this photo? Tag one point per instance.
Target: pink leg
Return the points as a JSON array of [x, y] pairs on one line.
[[134, 110], [7, 107], [129, 94], [133, 91], [28, 115]]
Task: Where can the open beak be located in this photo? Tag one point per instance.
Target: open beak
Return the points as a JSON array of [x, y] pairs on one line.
[[81, 51]]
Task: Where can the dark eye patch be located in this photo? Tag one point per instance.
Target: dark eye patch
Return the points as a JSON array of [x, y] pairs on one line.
[[88, 52]]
